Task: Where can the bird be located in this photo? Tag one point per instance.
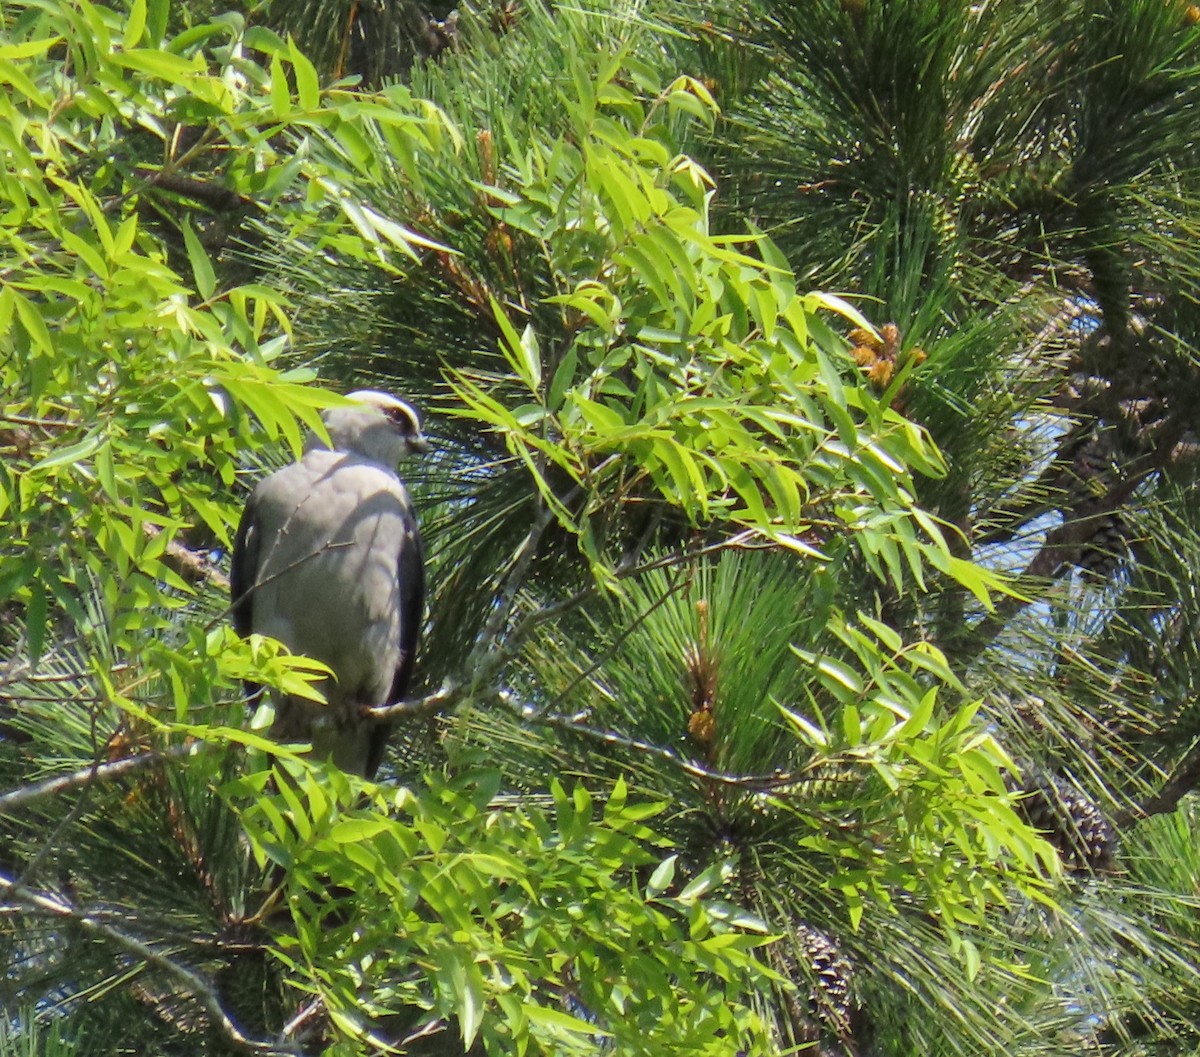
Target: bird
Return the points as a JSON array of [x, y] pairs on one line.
[[328, 560]]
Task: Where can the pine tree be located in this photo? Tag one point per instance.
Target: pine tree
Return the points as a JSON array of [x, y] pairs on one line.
[[689, 677]]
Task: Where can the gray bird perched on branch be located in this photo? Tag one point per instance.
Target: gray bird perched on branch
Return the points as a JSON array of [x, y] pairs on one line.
[[328, 560]]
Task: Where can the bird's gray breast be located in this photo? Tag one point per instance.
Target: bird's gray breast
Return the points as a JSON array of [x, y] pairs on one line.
[[332, 529]]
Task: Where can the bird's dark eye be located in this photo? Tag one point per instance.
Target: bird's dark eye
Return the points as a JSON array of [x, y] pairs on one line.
[[401, 417]]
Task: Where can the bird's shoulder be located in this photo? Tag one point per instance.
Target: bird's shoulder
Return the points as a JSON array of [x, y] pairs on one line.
[[333, 473]]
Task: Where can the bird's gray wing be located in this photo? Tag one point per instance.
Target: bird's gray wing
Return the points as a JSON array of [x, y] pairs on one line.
[[242, 576], [410, 574]]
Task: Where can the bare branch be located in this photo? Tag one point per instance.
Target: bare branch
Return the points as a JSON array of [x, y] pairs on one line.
[[193, 567], [19, 673], [199, 988], [489, 662], [739, 541], [434, 1027], [522, 559], [1055, 553], [222, 199], [30, 869], [616, 644], [451, 693], [42, 423], [576, 725], [309, 1011], [16, 799], [1182, 781], [325, 547]]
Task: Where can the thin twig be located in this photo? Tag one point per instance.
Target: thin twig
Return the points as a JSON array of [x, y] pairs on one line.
[[30, 869], [200, 990], [331, 545], [22, 674], [44, 423], [488, 664], [454, 692], [24, 696], [222, 199], [306, 1013], [739, 541], [533, 620], [616, 644], [610, 737], [493, 628], [423, 1032]]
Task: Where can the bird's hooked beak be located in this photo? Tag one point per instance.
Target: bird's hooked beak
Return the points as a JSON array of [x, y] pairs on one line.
[[419, 443]]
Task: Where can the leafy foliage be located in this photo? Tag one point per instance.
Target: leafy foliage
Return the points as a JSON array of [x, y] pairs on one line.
[[730, 742], [504, 919]]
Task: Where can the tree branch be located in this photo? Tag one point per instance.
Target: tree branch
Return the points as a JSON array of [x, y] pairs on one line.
[[454, 691], [486, 666], [761, 782], [1182, 781], [198, 987], [1057, 550], [193, 567], [450, 694], [493, 628], [42, 423], [211, 194], [20, 673], [487, 662], [16, 799]]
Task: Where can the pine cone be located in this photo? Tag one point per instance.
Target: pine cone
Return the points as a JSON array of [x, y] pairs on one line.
[[1096, 459], [816, 964], [1072, 822], [1108, 547]]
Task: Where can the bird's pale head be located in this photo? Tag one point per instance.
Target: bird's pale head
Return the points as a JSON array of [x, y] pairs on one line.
[[380, 426]]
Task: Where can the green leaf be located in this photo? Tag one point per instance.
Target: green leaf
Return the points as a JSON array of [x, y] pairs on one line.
[[308, 85], [558, 1021], [841, 674], [28, 49], [135, 24], [811, 733], [73, 453], [14, 76], [352, 830], [564, 376], [34, 324], [36, 613], [603, 419], [462, 983], [662, 878], [921, 715], [158, 14], [202, 268], [161, 64], [530, 358], [615, 804], [281, 96], [704, 882]]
